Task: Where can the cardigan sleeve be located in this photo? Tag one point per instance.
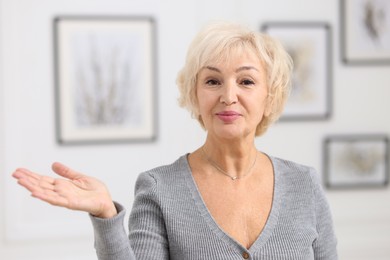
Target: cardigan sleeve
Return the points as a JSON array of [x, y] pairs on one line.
[[325, 246], [147, 239], [111, 241], [147, 232]]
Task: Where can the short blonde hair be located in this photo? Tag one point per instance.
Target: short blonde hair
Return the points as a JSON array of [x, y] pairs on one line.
[[214, 43]]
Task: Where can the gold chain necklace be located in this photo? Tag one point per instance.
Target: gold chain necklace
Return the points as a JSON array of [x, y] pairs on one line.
[[215, 165]]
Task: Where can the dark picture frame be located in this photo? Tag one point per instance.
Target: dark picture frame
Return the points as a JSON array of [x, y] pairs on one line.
[[365, 32], [310, 46], [356, 161], [105, 79]]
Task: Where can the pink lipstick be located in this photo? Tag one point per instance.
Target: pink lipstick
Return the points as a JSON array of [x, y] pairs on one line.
[[228, 116]]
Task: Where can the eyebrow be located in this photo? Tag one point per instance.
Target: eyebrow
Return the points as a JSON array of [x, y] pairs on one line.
[[237, 70]]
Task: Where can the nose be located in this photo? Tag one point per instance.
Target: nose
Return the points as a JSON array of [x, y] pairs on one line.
[[229, 94]]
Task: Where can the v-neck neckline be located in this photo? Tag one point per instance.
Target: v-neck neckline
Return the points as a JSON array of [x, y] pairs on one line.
[[213, 225]]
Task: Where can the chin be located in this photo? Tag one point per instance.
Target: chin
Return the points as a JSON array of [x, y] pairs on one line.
[[231, 134]]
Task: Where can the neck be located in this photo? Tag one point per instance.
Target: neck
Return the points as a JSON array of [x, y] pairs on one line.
[[235, 159]]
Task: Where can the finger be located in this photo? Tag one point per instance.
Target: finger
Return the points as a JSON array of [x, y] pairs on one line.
[[34, 185], [50, 197], [46, 184], [65, 171], [23, 173], [41, 180], [33, 177]]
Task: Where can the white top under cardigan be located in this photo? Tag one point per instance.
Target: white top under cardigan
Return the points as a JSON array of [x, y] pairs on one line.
[[169, 220]]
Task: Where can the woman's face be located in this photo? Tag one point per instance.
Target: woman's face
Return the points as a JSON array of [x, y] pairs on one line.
[[232, 96]]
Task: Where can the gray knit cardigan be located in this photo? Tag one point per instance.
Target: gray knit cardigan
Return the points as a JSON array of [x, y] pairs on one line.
[[169, 220]]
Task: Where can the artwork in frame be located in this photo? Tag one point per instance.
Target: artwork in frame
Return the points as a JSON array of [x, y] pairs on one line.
[[356, 161], [365, 31], [105, 79], [309, 45]]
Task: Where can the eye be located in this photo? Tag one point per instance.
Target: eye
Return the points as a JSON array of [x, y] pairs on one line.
[[212, 82], [247, 82]]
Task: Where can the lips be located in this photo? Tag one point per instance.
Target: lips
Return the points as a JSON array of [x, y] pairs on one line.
[[228, 116]]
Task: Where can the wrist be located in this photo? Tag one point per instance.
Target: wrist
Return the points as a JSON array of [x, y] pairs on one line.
[[109, 212]]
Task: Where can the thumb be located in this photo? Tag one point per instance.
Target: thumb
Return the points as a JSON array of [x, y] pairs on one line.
[[65, 171]]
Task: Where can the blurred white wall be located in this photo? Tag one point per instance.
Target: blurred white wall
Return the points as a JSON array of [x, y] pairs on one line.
[[32, 230]]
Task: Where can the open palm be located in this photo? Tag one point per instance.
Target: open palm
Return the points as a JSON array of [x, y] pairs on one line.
[[74, 191]]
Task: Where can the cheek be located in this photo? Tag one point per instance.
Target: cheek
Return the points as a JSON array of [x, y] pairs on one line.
[[204, 108], [262, 107], [205, 101], [201, 106]]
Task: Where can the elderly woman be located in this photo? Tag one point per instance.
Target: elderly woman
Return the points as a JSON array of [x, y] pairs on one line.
[[226, 200]]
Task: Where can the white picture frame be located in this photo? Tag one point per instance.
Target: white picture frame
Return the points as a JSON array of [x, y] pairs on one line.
[[365, 32], [105, 79], [356, 161], [309, 45]]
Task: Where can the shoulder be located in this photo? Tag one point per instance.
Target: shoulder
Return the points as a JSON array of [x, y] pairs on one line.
[[163, 174], [290, 166], [295, 174]]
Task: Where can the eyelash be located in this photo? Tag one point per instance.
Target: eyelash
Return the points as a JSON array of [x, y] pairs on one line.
[[212, 82], [245, 82]]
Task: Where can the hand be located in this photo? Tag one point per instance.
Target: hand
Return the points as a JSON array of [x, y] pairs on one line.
[[75, 191]]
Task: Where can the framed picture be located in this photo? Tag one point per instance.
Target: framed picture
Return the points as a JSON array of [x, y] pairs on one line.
[[105, 79], [356, 161], [309, 45], [365, 31]]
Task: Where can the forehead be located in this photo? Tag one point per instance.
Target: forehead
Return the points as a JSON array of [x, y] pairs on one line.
[[234, 58], [231, 55]]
